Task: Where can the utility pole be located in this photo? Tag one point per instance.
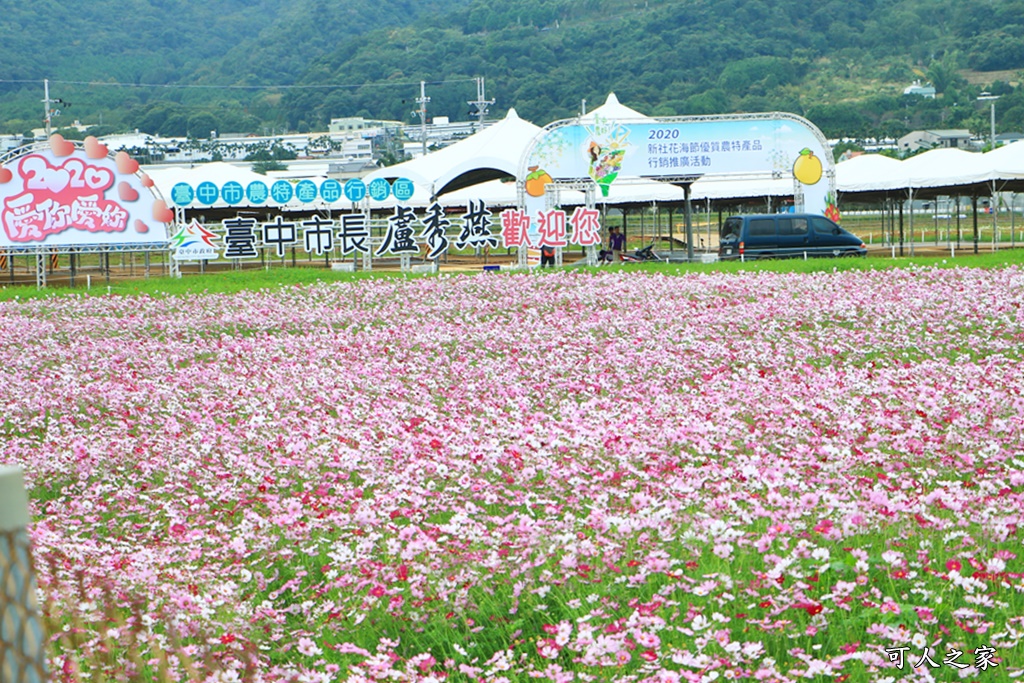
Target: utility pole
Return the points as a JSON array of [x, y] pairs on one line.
[[48, 111], [422, 101], [481, 102], [991, 99], [46, 106]]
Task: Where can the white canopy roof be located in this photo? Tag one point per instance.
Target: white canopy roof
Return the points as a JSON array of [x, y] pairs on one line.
[[469, 170], [219, 173], [496, 193], [1008, 160], [216, 172], [869, 173], [741, 188], [945, 168], [494, 151], [493, 193], [612, 109], [936, 170]]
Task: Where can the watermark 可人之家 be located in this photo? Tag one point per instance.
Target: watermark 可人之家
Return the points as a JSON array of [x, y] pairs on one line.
[[983, 658]]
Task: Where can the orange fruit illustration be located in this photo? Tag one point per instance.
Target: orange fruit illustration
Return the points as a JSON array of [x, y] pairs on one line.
[[536, 180], [807, 167]]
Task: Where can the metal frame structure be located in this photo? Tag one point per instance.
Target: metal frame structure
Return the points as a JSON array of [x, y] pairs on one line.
[[684, 181], [41, 253], [553, 199]]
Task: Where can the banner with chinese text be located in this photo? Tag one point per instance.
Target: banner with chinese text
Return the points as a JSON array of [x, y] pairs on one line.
[[64, 195]]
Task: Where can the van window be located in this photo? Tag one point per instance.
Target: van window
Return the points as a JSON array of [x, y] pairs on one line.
[[792, 226], [731, 228], [762, 227], [823, 226]]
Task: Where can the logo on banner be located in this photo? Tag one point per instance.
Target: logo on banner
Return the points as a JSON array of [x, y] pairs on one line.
[[194, 243]]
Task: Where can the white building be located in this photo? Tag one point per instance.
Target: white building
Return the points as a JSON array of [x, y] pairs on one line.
[[959, 138], [916, 88]]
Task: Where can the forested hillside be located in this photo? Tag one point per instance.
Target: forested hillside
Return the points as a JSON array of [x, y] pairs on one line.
[[274, 65], [174, 65]]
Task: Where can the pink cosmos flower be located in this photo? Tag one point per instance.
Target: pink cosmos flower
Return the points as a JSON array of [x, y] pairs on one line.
[[890, 607], [548, 648], [426, 663], [308, 647]]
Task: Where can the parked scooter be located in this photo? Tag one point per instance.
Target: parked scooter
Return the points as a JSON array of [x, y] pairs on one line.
[[642, 255]]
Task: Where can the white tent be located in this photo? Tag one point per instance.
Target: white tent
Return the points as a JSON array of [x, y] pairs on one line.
[[492, 153], [1007, 161], [938, 171], [641, 191], [613, 109], [941, 168], [870, 173], [493, 193], [217, 172], [747, 188], [470, 169], [496, 193]]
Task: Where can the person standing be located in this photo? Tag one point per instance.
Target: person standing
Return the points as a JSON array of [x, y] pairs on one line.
[[616, 243], [547, 256]]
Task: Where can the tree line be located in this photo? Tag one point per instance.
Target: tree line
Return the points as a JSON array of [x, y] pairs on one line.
[[843, 65]]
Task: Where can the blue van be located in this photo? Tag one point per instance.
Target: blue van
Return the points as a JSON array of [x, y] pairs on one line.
[[785, 235]]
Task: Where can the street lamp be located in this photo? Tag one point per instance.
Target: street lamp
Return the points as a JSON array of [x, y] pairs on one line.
[[986, 96]]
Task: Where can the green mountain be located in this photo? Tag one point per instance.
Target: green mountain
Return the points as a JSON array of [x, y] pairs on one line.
[[173, 66], [274, 65]]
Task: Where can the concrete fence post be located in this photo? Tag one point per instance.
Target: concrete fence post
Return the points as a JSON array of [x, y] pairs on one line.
[[22, 640]]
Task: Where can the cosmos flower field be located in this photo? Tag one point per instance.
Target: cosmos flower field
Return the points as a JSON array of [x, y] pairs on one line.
[[569, 477]]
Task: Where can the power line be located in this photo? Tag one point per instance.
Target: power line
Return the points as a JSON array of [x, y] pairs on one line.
[[171, 86]]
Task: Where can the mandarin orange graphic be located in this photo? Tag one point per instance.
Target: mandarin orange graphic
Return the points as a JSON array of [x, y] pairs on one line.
[[807, 167]]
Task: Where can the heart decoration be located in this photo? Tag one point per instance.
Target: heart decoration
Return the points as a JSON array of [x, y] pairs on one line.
[[5, 175], [60, 146], [125, 164], [126, 192], [95, 149], [161, 212], [146, 181], [96, 178], [140, 226]]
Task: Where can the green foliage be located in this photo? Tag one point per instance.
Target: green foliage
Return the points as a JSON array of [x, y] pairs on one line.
[[271, 152], [767, 72], [265, 165], [837, 120], [238, 66], [944, 74], [843, 147]]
